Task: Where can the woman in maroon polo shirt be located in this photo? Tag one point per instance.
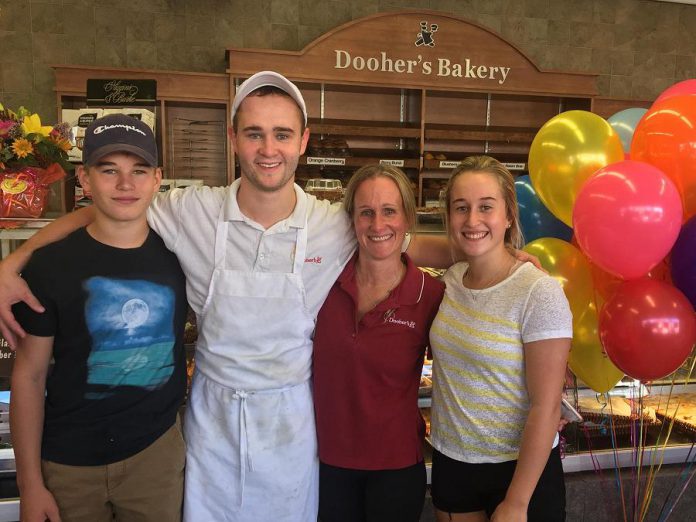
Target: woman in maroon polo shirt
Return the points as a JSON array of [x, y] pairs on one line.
[[370, 340]]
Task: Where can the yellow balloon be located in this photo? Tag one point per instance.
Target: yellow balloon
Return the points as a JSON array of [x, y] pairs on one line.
[[588, 360], [569, 266], [567, 150]]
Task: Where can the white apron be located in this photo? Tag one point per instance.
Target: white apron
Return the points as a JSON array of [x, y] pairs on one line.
[[250, 433]]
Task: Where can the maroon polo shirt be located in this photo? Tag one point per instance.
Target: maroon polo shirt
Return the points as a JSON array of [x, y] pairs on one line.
[[366, 377]]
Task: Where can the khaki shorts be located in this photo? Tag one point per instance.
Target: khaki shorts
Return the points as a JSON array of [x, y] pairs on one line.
[[147, 487]]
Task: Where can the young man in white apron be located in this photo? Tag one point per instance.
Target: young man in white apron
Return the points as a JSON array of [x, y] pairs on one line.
[[260, 256]]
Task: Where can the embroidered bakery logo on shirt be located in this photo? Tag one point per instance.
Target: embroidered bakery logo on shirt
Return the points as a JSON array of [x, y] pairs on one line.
[[316, 260], [390, 318]]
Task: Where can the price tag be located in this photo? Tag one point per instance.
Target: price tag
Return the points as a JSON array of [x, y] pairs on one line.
[[392, 162], [325, 161]]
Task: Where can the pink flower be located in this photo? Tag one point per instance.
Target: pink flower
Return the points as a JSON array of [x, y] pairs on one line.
[[6, 126]]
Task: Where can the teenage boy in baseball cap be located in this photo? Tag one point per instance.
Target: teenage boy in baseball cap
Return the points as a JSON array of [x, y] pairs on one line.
[[97, 438]]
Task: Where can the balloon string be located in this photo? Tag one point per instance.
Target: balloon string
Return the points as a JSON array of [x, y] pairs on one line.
[[598, 469], [617, 470], [663, 448], [684, 475]]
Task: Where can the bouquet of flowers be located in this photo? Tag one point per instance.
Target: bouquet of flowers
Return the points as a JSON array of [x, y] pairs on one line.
[[32, 156]]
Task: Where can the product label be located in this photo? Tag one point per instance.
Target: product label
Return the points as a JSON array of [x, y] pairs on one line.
[[448, 164], [13, 186], [325, 161], [392, 162], [515, 166]]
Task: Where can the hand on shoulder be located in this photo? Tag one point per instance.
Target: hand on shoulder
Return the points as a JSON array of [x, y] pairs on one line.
[[13, 289]]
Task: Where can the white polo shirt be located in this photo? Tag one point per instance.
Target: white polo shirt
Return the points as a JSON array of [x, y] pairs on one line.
[[187, 218]]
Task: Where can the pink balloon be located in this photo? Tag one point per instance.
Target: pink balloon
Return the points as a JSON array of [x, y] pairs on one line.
[[685, 87], [626, 218]]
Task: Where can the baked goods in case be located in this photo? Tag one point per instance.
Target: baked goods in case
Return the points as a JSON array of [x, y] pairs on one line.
[[617, 407], [330, 189], [681, 407]]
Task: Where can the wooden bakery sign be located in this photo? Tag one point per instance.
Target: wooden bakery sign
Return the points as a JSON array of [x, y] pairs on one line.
[[443, 66], [413, 49], [384, 62]]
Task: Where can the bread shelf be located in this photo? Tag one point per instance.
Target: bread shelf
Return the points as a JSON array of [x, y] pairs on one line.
[[381, 129], [480, 133]]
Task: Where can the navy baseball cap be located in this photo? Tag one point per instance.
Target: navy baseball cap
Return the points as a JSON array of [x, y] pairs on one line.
[[119, 133]]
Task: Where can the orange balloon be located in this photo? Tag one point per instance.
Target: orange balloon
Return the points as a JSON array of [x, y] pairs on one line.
[[666, 138], [606, 284]]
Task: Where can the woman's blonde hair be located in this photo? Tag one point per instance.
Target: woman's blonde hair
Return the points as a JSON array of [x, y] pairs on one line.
[[386, 171], [488, 165]]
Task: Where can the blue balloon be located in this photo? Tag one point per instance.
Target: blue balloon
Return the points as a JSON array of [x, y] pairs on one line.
[[624, 123], [683, 261], [535, 219]]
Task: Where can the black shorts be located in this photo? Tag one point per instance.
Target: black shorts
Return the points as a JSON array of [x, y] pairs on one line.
[[353, 495], [459, 487]]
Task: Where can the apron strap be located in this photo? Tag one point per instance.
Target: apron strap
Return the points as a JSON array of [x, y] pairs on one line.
[[300, 249], [221, 235], [244, 455]]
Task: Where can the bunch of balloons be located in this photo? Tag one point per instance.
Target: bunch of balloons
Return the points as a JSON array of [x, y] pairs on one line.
[[627, 187]]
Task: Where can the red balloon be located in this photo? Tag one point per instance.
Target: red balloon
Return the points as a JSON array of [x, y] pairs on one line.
[[666, 138], [626, 218], [685, 87], [647, 328]]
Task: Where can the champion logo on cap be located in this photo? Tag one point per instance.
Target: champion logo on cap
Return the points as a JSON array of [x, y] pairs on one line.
[[102, 128], [119, 133]]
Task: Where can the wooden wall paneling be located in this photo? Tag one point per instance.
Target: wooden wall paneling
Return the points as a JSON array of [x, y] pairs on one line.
[[362, 103], [455, 108], [575, 104], [606, 107], [311, 92], [522, 111], [163, 143], [171, 85]]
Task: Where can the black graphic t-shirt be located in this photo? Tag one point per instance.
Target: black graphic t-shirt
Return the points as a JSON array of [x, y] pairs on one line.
[[117, 317]]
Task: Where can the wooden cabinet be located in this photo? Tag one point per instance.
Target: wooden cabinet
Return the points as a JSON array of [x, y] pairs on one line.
[[420, 90], [192, 117]]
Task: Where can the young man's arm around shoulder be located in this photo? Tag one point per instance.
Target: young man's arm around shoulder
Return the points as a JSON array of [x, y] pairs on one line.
[[13, 289], [26, 421]]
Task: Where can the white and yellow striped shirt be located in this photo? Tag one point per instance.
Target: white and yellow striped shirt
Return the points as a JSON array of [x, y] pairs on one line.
[[480, 400]]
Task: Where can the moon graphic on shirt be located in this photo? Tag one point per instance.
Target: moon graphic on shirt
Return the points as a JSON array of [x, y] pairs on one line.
[[135, 312]]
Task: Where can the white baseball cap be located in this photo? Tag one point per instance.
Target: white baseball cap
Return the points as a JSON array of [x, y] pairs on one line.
[[268, 79]]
